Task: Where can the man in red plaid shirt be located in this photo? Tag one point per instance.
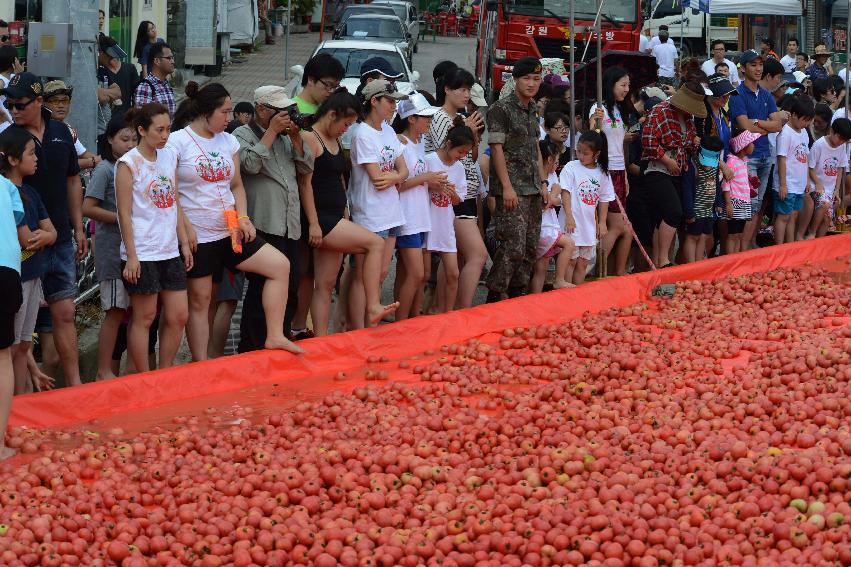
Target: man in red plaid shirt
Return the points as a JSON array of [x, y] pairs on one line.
[[668, 139]]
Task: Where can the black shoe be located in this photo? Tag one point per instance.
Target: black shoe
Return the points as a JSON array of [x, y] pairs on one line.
[[516, 292], [494, 297]]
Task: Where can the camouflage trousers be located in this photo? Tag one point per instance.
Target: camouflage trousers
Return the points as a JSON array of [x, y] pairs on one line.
[[517, 233]]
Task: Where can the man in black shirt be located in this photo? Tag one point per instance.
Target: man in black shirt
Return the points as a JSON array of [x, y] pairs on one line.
[[123, 74], [57, 180]]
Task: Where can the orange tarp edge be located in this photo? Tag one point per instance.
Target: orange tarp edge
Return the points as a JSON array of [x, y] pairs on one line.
[[348, 351]]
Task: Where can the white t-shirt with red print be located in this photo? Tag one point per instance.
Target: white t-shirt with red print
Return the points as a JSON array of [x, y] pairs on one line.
[[587, 187], [154, 210], [441, 237], [794, 146], [827, 162], [372, 209], [415, 201], [205, 168]]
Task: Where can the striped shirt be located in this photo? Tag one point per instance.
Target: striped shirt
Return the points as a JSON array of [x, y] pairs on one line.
[[434, 138]]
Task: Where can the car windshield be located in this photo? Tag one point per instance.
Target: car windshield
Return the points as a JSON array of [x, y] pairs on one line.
[[352, 59], [400, 9], [365, 9], [363, 28], [617, 10]]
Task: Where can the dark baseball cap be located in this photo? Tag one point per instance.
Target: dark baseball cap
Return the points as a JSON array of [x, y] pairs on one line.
[[379, 65], [23, 85], [527, 66], [750, 55]]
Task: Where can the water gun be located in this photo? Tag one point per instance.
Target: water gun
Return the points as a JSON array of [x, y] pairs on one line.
[[233, 228]]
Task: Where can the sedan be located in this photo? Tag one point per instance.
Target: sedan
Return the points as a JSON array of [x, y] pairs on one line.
[[379, 28], [407, 13]]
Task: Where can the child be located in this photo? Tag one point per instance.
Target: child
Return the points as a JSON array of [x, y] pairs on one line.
[[828, 163], [18, 160], [700, 186], [737, 191], [99, 205], [586, 185], [553, 239], [11, 215], [441, 238], [377, 169], [793, 153], [152, 239]]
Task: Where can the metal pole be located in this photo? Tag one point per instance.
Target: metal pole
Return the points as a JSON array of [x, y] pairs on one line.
[[596, 26], [602, 260], [682, 25], [322, 22], [287, 40], [570, 131]]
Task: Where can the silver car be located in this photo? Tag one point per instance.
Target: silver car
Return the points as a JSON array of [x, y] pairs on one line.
[[378, 28], [407, 12]]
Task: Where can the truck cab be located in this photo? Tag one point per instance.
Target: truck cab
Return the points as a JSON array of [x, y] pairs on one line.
[[696, 28]]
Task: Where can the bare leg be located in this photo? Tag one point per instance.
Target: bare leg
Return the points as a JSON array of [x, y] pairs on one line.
[[326, 265], [21, 371], [49, 356], [472, 249], [579, 271], [305, 288], [173, 318], [562, 278], [666, 238], [198, 325], [65, 337], [144, 313], [690, 248], [781, 222], [539, 275], [220, 328], [419, 296], [274, 266], [805, 215], [341, 312], [106, 343], [357, 298], [438, 299], [617, 242], [411, 285], [451, 276], [7, 384]]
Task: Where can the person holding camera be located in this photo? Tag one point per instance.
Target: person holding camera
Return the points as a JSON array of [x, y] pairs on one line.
[[271, 155]]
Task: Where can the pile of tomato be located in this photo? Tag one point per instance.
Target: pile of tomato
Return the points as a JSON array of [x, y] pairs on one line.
[[710, 428]]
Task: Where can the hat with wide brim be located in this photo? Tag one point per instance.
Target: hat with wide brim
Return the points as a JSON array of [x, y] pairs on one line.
[[821, 50], [743, 140], [380, 87], [689, 101]]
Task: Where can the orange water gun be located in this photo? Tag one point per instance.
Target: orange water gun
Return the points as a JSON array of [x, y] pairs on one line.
[[233, 228]]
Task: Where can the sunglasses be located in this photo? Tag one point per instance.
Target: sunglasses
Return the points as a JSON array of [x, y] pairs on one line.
[[17, 105]]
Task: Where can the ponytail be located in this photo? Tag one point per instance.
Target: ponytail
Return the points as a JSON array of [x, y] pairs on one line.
[[459, 134]]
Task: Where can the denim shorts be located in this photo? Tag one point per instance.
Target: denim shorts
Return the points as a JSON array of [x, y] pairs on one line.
[[416, 240], [793, 202], [387, 233], [60, 277]]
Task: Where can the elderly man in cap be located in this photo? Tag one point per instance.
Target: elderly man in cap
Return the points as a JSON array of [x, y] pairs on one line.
[[271, 154], [57, 99], [57, 180], [755, 110], [517, 181]]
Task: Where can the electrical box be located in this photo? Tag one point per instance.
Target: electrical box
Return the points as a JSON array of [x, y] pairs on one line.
[[49, 49]]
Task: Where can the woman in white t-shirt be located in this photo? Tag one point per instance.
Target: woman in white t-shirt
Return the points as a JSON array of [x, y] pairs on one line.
[[441, 238], [412, 121], [378, 167], [211, 190], [152, 237], [453, 94], [610, 119]]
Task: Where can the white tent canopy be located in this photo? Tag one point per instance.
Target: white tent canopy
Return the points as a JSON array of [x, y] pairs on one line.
[[763, 7]]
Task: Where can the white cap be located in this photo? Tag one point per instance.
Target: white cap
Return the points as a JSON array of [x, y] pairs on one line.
[[800, 76], [415, 105], [273, 96], [477, 95]]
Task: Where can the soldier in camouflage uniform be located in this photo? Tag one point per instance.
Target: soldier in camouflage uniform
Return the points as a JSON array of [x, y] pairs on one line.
[[516, 181]]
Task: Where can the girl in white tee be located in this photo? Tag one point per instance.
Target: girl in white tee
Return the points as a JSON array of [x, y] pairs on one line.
[[152, 237], [210, 184], [441, 238], [378, 167]]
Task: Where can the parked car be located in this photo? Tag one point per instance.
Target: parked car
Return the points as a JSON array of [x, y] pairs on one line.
[[407, 12], [379, 28], [353, 9], [352, 54]]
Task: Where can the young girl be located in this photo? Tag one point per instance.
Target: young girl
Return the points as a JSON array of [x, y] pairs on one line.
[[18, 160], [737, 191], [100, 206], [152, 239], [146, 37], [378, 167], [586, 185], [11, 215], [441, 238], [700, 188], [553, 239], [412, 121]]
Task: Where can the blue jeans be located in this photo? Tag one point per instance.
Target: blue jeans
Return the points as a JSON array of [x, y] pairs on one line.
[[761, 167], [60, 277]]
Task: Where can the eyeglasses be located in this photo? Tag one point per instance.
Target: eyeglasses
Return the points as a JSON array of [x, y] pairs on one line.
[[330, 87], [17, 105], [560, 128], [169, 57]]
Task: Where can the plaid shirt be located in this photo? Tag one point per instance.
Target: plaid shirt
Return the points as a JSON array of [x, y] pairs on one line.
[[662, 133], [153, 89]]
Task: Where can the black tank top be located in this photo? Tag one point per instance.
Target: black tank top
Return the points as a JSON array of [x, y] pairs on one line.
[[329, 194]]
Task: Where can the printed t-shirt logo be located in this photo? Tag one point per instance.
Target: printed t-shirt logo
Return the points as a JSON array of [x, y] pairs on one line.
[[215, 168], [801, 153], [386, 159], [419, 167], [589, 191], [831, 167], [160, 192]]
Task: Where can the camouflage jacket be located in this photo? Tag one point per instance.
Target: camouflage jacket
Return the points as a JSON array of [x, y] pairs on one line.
[[515, 127]]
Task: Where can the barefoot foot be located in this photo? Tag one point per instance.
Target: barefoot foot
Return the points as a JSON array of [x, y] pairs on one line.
[[378, 312], [7, 452], [562, 285], [281, 343]]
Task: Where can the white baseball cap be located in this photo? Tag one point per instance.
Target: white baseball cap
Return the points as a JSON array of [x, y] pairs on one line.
[[273, 96], [415, 105]]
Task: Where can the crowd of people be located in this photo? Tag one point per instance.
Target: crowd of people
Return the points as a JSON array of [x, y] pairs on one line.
[[300, 213]]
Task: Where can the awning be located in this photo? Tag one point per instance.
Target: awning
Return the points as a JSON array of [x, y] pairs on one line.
[[764, 7]]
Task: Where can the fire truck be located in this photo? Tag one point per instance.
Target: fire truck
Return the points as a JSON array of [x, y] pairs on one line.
[[512, 29]]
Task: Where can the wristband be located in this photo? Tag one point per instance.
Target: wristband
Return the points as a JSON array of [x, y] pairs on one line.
[[243, 217]]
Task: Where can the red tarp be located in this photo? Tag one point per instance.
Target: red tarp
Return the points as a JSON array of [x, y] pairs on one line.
[[312, 373]]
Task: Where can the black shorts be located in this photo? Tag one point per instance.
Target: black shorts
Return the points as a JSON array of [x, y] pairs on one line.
[[664, 192], [13, 298], [168, 275], [700, 226], [466, 209], [735, 226], [211, 258]]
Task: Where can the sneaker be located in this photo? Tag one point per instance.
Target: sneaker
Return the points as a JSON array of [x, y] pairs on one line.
[[301, 334]]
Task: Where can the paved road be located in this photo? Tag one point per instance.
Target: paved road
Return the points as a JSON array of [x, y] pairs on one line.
[[462, 50]]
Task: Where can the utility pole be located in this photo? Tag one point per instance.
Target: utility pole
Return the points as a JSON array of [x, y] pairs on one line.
[[83, 16]]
